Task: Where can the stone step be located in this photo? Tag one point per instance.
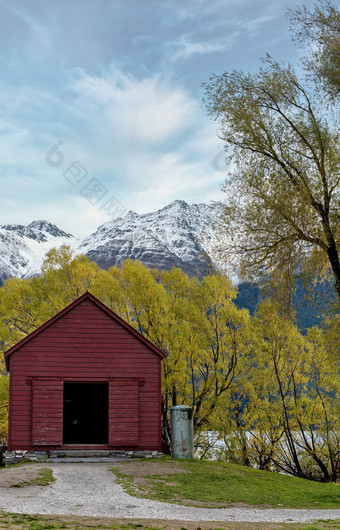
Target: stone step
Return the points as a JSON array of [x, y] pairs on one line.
[[76, 455], [80, 453], [87, 460]]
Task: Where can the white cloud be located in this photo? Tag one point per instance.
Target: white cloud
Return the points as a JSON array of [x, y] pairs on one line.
[[37, 37], [188, 48], [254, 25], [137, 111], [146, 140], [201, 9]]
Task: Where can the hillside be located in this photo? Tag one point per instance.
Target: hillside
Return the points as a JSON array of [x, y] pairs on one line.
[[178, 235]]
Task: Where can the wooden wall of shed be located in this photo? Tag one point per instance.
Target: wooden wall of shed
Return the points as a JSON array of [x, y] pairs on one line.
[[85, 344]]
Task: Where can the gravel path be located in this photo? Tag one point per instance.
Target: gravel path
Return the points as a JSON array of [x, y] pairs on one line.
[[91, 489]]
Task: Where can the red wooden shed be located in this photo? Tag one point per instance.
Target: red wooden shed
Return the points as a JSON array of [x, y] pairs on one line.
[[85, 380]]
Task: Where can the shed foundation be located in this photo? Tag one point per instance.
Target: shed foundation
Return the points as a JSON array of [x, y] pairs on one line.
[[15, 457]]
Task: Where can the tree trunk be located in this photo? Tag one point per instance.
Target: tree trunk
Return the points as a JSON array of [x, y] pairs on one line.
[[166, 430], [333, 257]]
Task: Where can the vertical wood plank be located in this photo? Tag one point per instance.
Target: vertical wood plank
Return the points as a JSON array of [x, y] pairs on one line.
[[47, 420], [123, 412]]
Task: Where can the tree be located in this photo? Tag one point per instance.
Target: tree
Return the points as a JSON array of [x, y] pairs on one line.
[[4, 404], [284, 415], [222, 341], [320, 28], [283, 195], [26, 304], [197, 324]]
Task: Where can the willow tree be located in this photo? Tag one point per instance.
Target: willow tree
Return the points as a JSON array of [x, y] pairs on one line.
[[4, 405], [319, 29], [283, 192]]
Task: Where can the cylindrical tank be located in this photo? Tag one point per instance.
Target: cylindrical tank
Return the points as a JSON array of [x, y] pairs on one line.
[[182, 432]]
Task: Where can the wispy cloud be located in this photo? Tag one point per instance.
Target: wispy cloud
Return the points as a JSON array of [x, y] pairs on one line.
[[139, 111], [256, 23], [36, 35], [186, 48], [196, 9], [25, 17], [146, 140]]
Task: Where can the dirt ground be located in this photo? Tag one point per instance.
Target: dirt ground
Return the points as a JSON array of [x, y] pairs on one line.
[[14, 475], [17, 475], [12, 522]]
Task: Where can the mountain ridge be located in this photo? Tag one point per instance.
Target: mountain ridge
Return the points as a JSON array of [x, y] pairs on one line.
[[170, 236], [178, 235], [22, 248]]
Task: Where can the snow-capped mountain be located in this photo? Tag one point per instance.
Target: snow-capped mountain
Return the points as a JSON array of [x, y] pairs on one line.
[[170, 237], [177, 235], [22, 248]]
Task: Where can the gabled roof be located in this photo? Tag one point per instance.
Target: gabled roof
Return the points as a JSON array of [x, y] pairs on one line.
[[103, 307]]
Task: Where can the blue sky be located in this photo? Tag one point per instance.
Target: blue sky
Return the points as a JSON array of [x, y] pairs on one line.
[[100, 101]]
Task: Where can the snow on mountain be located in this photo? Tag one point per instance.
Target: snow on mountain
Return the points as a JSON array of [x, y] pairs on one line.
[[171, 236], [22, 248], [178, 235]]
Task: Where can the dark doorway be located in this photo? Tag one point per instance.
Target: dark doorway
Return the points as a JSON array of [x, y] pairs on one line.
[[86, 413]]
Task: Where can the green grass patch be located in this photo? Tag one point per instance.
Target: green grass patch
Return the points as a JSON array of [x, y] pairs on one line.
[[217, 483], [44, 478], [30, 522], [322, 524], [37, 522], [17, 464]]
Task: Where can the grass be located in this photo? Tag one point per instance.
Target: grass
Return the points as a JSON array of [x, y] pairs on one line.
[[215, 483], [17, 464], [44, 478], [36, 522], [11, 521]]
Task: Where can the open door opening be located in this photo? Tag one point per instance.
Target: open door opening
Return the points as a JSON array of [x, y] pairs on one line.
[[85, 413]]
